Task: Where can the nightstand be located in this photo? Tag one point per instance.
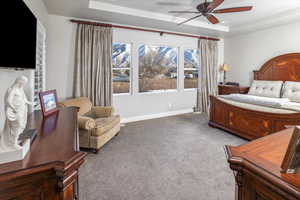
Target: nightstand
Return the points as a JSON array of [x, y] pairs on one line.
[[231, 89]]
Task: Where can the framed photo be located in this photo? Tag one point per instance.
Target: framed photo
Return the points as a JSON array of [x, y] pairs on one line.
[[48, 102], [291, 161]]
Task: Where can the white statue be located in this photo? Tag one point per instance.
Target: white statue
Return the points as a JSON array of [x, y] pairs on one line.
[[16, 109]]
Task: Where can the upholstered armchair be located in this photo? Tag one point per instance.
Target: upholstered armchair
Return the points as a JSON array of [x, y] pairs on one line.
[[97, 125]]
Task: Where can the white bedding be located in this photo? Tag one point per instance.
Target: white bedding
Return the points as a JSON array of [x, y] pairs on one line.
[[291, 106], [256, 107], [263, 104], [257, 100]]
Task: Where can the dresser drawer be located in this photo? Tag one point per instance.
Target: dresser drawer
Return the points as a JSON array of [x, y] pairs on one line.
[[257, 190]]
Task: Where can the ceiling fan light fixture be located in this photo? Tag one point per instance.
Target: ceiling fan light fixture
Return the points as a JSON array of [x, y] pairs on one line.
[[208, 9]]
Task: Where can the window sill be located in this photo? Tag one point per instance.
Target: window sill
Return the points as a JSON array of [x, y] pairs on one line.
[[122, 94], [158, 92], [190, 89]]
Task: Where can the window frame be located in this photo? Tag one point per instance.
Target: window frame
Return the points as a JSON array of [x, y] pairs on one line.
[[130, 70], [190, 69], [177, 71], [39, 74]]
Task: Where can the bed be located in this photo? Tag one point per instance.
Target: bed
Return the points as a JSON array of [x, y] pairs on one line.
[[255, 121]]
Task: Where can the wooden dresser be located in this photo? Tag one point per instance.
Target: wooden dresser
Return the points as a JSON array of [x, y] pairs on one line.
[[50, 169], [231, 89], [257, 169]]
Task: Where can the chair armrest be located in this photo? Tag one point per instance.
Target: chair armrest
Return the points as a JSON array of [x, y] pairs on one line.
[[103, 111], [86, 123], [61, 105]]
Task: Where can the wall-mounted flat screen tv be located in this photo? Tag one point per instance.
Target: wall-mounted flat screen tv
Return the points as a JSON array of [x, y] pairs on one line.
[[17, 35]]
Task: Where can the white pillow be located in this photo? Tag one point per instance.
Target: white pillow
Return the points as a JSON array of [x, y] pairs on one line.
[[266, 88], [291, 90]]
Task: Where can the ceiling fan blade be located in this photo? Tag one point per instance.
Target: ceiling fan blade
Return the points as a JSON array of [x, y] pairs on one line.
[[194, 12], [230, 10], [212, 19], [214, 4], [189, 20]]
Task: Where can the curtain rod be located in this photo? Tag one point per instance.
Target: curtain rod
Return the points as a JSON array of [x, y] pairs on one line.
[[142, 29]]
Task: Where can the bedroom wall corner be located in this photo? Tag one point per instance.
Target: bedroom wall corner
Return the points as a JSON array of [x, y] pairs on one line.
[[249, 51]]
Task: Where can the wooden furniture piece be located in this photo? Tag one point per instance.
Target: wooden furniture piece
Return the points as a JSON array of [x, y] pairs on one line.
[[230, 83], [50, 169], [257, 169], [231, 89], [251, 124]]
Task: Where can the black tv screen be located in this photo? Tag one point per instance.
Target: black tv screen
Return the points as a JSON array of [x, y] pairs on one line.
[[17, 35]]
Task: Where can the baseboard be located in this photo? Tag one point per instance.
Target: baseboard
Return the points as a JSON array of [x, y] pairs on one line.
[[155, 116]]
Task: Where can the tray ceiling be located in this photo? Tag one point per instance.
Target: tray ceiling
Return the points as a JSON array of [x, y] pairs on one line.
[[154, 14]]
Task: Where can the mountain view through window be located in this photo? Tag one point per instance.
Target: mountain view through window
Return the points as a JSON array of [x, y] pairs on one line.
[[157, 68], [191, 68], [121, 61]]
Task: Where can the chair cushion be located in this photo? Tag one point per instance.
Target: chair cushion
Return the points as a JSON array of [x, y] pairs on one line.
[[83, 103], [105, 124], [102, 111], [291, 90], [266, 88]]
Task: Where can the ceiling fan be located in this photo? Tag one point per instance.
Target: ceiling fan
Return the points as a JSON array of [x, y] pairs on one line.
[[207, 9]]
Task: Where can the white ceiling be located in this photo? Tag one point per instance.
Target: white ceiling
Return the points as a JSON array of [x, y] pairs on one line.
[[152, 14]]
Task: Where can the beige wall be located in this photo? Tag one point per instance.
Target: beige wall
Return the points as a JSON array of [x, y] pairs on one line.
[[248, 52], [60, 55]]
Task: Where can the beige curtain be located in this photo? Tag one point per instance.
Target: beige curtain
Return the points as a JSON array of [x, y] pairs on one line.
[[208, 74], [93, 64]]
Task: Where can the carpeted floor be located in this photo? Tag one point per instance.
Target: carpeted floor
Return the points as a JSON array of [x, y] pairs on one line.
[[173, 158]]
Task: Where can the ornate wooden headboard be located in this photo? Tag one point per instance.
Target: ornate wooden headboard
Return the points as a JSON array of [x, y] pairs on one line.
[[284, 68]]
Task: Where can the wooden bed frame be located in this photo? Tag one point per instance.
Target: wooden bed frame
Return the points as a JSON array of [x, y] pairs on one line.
[[251, 124]]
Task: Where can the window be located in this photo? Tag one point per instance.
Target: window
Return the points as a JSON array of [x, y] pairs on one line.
[[121, 62], [157, 68], [39, 73], [191, 68]]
